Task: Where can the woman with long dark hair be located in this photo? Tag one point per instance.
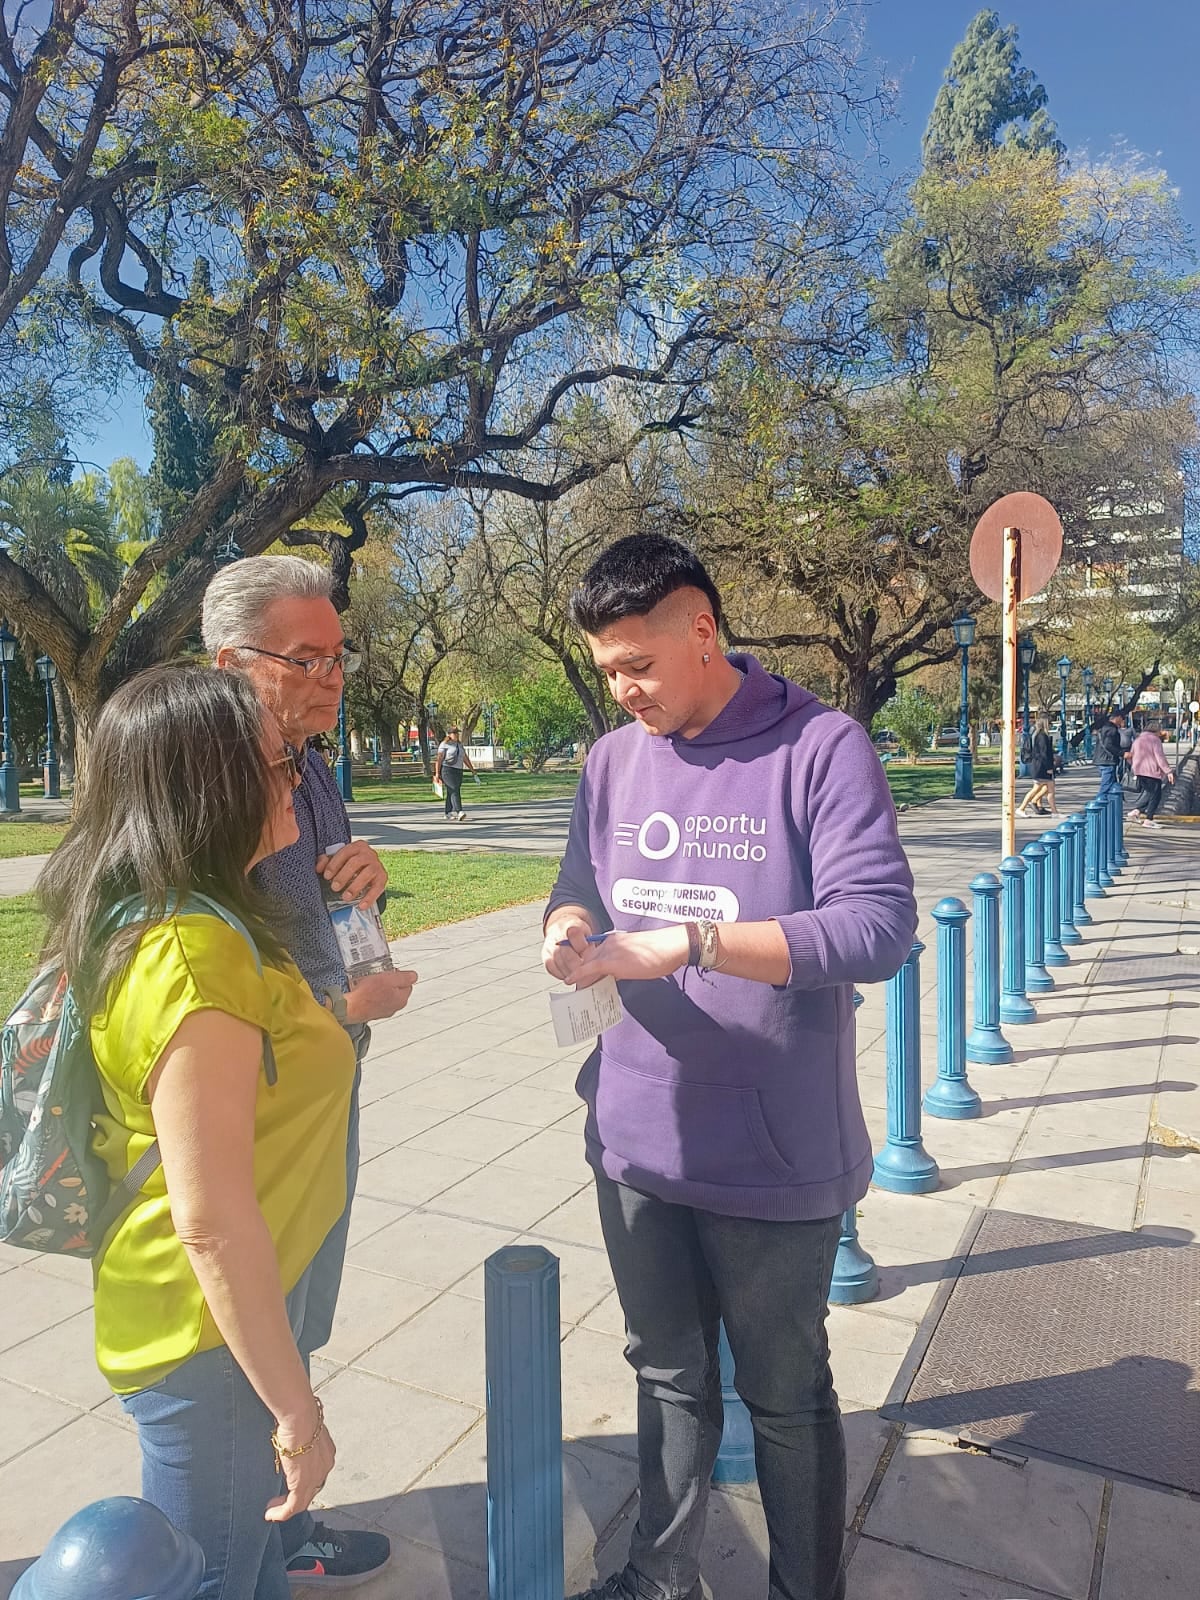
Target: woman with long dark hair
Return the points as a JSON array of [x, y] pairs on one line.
[[207, 1040]]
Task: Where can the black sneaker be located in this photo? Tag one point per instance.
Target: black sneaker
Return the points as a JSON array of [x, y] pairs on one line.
[[337, 1558], [620, 1587]]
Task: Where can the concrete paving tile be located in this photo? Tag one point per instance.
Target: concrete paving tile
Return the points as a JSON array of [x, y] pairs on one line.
[[866, 1434], [427, 1248], [443, 1091], [585, 1278], [496, 1069], [925, 1227], [69, 1268], [906, 1288], [1175, 1169], [471, 1138], [1174, 1213], [1032, 1522], [576, 1222], [368, 1216], [34, 1301], [112, 1411], [53, 1479], [1069, 1196], [599, 1391], [882, 1572], [447, 1508], [417, 1573], [607, 1317], [386, 1437], [28, 1417], [559, 1154], [406, 1176], [512, 1199], [392, 1120], [528, 1106], [1153, 1545], [865, 1352], [440, 1350], [60, 1362], [557, 1076], [371, 1306]]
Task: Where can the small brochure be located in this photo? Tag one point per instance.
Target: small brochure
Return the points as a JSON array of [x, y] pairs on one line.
[[580, 1014]]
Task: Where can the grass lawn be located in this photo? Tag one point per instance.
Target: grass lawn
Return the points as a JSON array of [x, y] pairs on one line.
[[21, 928], [29, 838], [493, 788], [916, 786]]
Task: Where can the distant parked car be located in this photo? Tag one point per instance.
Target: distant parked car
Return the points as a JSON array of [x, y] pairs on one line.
[[946, 737], [885, 739]]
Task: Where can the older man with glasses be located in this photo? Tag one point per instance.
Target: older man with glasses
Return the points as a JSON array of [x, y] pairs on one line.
[[272, 619]]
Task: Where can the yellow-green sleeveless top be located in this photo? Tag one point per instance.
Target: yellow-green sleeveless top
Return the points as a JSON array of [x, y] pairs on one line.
[[150, 1313]]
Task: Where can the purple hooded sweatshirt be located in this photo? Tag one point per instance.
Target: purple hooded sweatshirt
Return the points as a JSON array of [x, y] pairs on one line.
[[718, 1092]]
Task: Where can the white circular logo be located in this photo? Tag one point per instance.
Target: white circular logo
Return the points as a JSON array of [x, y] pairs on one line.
[[672, 843]]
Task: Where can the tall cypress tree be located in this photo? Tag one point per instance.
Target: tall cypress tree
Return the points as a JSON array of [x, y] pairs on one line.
[[988, 98], [174, 474]]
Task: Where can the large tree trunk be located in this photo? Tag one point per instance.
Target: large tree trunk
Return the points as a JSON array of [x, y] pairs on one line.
[[597, 719]]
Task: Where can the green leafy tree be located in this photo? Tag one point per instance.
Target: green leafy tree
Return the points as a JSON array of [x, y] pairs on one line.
[[540, 718], [911, 714], [988, 98]]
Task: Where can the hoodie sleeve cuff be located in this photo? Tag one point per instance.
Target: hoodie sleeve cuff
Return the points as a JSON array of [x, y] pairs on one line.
[[806, 948]]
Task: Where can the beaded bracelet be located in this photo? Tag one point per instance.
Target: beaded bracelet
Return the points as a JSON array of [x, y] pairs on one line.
[[282, 1452]]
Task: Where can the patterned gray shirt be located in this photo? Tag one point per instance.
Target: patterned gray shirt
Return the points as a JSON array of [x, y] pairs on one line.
[[289, 879]]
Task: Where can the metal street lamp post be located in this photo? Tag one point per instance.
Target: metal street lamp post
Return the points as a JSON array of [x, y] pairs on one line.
[[343, 767], [1106, 684], [1026, 656], [964, 774], [47, 672], [10, 778], [1064, 672], [1088, 746]]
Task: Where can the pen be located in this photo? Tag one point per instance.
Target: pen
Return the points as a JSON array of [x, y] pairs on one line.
[[592, 938]]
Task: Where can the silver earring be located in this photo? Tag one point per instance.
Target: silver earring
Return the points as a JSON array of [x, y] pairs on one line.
[[704, 659]]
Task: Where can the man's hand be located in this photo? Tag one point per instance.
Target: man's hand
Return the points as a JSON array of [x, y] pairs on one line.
[[633, 955], [570, 924], [379, 995], [356, 873]]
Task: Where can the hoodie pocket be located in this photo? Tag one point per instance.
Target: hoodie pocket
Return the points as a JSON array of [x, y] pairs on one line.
[[685, 1131]]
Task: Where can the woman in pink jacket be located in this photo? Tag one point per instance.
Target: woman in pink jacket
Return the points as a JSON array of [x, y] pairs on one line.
[[1151, 769]]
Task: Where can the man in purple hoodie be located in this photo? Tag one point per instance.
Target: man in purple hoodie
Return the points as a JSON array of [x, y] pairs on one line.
[[739, 853]]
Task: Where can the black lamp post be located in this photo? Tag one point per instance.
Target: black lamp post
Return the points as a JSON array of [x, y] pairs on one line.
[[1064, 672], [47, 672], [964, 773], [1088, 745], [10, 778], [1026, 656], [1107, 685]]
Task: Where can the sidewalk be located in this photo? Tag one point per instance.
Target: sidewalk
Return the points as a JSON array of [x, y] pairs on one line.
[[472, 1139]]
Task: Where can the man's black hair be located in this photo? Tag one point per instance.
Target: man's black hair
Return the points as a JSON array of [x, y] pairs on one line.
[[633, 576]]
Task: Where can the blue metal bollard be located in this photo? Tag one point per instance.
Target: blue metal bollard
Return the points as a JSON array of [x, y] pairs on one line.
[[904, 1165], [1037, 979], [1098, 879], [855, 1276], [950, 1095], [1068, 933], [735, 1459], [1081, 916], [116, 1549], [524, 1424], [1014, 1005], [1122, 853], [1055, 955], [1112, 853], [985, 1042]]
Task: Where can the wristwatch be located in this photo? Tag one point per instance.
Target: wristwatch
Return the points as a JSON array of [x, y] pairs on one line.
[[337, 1004]]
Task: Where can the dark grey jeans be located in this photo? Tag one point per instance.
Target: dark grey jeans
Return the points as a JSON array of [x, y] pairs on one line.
[[678, 1273]]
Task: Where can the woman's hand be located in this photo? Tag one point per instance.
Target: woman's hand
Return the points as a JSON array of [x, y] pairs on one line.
[[634, 955], [304, 1476]]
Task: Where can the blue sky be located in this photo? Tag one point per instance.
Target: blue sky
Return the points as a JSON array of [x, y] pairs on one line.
[[1116, 71]]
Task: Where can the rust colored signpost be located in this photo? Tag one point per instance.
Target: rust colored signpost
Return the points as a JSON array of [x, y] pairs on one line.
[[1016, 546]]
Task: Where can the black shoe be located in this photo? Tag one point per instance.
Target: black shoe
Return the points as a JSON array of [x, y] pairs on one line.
[[338, 1558], [620, 1587]]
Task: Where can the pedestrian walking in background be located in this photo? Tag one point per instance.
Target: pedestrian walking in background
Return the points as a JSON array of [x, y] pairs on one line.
[[448, 767], [1041, 770], [271, 619], [208, 1043], [1110, 757], [1151, 769], [724, 1124]]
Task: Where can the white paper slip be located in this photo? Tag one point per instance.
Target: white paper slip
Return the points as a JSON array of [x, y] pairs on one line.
[[579, 1015]]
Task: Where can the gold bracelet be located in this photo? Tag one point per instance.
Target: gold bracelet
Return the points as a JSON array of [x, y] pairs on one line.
[[282, 1452]]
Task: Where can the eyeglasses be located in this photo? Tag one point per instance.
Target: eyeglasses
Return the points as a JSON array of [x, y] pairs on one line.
[[292, 761], [314, 666]]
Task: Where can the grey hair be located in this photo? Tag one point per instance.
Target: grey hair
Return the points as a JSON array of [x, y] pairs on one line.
[[237, 599]]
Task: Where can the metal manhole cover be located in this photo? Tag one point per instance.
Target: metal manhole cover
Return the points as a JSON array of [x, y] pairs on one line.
[[1078, 1342], [1167, 971]]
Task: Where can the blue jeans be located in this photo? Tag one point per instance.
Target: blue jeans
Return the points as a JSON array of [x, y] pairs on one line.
[[1110, 779], [207, 1464], [678, 1272]]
